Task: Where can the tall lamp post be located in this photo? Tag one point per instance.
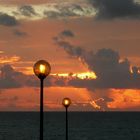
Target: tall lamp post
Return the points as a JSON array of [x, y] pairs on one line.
[[41, 69], [66, 103]]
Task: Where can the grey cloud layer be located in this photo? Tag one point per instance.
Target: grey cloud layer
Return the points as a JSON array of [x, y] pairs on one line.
[[100, 9], [72, 10], [54, 10]]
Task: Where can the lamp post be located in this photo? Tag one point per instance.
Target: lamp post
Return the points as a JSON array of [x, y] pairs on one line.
[[66, 103], [41, 69]]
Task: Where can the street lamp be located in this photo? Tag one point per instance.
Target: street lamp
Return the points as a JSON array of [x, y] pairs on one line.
[[66, 103], [41, 69]]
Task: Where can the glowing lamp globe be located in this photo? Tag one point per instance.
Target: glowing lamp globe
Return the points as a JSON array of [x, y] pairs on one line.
[[42, 69], [66, 102]]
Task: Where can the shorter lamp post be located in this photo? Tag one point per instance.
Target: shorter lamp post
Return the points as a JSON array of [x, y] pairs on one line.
[[41, 70], [66, 103]]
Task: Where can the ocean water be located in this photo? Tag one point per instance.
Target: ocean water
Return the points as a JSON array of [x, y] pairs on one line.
[[82, 126]]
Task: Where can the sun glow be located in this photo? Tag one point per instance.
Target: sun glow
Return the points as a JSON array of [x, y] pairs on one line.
[[87, 75], [84, 75]]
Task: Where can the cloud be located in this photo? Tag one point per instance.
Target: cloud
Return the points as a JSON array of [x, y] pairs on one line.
[[7, 20], [111, 70], [70, 49], [49, 10], [10, 78], [111, 9], [67, 33], [64, 11], [1, 52], [100, 9], [7, 77], [104, 99], [5, 59], [19, 33], [27, 10]]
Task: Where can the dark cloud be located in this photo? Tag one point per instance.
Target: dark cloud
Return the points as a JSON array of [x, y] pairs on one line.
[[112, 72], [20, 33], [52, 14], [62, 14], [106, 64], [7, 20], [135, 71], [111, 9], [67, 33], [70, 49], [27, 10], [7, 78], [10, 78]]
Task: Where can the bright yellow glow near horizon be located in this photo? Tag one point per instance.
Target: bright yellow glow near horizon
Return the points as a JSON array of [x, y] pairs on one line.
[[89, 75], [83, 75]]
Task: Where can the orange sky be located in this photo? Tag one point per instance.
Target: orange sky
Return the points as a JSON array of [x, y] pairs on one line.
[[23, 44]]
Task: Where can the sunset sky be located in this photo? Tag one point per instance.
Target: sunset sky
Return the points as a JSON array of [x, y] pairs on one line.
[[93, 47]]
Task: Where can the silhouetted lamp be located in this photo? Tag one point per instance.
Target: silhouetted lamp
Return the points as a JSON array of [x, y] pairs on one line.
[[41, 69], [66, 103]]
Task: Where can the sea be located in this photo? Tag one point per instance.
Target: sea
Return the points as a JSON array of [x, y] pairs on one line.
[[81, 126]]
